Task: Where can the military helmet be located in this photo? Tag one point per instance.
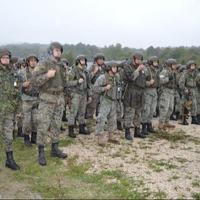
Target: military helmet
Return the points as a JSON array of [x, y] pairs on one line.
[[31, 56], [153, 59], [170, 61], [54, 45], [79, 57], [99, 56], [5, 52], [14, 60], [178, 66], [189, 63], [138, 56], [110, 65]]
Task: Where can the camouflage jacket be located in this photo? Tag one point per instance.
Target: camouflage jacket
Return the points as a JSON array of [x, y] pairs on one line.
[[9, 90], [106, 79], [74, 86]]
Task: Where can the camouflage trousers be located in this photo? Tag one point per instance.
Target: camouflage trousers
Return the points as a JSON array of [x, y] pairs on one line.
[[92, 107], [77, 109], [177, 102], [132, 116], [6, 130], [194, 102], [120, 111], [107, 114], [150, 103], [30, 109], [198, 102], [49, 118], [166, 105]]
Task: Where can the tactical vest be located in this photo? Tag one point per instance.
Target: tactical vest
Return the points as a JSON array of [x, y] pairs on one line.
[[190, 80]]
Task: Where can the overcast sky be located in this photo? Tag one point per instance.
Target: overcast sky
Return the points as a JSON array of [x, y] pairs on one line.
[[133, 23]]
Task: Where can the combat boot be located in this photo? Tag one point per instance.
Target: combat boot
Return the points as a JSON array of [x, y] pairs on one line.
[[138, 134], [101, 140], [41, 156], [198, 118], [111, 139], [144, 129], [128, 135], [71, 132], [168, 125], [64, 119], [20, 132], [83, 129], [27, 141], [119, 126], [10, 162], [33, 137], [56, 152], [150, 128], [195, 121]]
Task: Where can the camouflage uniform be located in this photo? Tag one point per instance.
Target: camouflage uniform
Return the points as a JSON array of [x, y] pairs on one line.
[[198, 94], [150, 98], [80, 92], [188, 85], [9, 101], [30, 102], [168, 82], [133, 98]]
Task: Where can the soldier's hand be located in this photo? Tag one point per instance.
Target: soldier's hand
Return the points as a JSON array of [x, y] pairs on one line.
[[96, 68], [107, 87], [80, 80], [152, 81], [26, 84], [89, 100], [141, 67], [51, 73]]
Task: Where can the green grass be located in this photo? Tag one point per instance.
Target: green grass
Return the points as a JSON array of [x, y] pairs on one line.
[[196, 196], [160, 165]]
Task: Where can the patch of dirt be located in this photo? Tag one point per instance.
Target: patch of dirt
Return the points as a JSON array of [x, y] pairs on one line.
[[161, 164]]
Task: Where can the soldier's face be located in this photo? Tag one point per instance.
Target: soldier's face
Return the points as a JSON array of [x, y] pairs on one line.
[[5, 60], [193, 67], [32, 62], [114, 69], [100, 61], [137, 61], [174, 66], [57, 53], [82, 62], [155, 63]]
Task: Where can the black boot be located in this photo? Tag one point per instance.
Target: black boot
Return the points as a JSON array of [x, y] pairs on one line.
[[198, 118], [56, 152], [138, 133], [128, 134], [10, 162], [172, 117], [150, 128], [194, 120], [71, 132], [119, 126], [177, 116], [64, 119], [41, 156], [20, 132], [144, 129], [83, 129], [62, 128], [33, 137], [27, 141]]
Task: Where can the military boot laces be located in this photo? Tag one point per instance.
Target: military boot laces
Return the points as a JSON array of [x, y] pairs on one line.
[[83, 129], [138, 134], [41, 157], [27, 141], [33, 137], [71, 132], [56, 152], [128, 135], [10, 162]]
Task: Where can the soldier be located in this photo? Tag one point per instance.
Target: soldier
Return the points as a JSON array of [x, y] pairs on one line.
[[135, 81], [150, 94], [50, 78], [188, 85], [95, 71], [9, 100], [198, 94], [79, 84], [168, 82], [30, 101], [106, 85]]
